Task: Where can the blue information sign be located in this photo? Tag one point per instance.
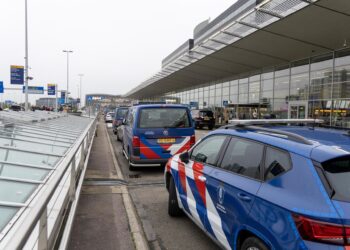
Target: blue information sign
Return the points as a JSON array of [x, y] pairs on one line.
[[225, 103], [34, 90], [51, 89], [17, 75], [1, 87], [61, 101], [63, 94]]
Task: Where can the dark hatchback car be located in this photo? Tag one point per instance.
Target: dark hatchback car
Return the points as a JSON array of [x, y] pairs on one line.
[[203, 118], [120, 114]]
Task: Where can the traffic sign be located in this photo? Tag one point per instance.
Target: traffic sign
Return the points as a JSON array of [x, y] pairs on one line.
[[63, 94], [34, 90], [1, 87], [51, 89], [17, 75]]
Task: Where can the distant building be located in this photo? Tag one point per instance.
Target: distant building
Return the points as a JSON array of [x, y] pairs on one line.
[[106, 101], [46, 101]]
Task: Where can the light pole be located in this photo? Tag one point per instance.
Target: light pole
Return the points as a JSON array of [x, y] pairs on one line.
[[81, 81], [67, 93], [26, 57]]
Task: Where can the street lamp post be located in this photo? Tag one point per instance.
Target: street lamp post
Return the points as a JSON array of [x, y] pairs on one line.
[[67, 93], [81, 80], [26, 57]]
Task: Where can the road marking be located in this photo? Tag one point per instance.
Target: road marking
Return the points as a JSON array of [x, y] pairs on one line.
[[137, 233]]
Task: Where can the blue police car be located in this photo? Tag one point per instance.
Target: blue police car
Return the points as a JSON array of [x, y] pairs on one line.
[[155, 132], [266, 187]]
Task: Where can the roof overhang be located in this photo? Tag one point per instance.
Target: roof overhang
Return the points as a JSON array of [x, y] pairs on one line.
[[248, 45]]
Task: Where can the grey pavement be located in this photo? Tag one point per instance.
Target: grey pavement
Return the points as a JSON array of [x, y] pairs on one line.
[[101, 220]]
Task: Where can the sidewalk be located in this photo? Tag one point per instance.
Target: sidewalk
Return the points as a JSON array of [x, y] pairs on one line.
[[101, 220]]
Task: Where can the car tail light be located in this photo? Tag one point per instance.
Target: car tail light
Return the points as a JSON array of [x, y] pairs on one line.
[[313, 230], [193, 140], [136, 142]]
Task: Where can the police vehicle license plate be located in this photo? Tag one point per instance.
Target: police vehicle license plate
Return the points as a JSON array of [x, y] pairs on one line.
[[166, 140]]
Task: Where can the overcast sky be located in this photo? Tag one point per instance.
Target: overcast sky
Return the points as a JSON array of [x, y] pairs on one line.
[[117, 44]]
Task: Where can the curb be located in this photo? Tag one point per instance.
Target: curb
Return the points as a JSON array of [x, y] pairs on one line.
[[136, 230]]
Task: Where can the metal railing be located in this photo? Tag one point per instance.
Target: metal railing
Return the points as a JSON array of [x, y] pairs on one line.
[[41, 222]]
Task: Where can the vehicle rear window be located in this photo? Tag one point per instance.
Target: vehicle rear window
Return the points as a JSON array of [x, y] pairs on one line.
[[121, 113], [164, 118], [337, 172], [206, 113]]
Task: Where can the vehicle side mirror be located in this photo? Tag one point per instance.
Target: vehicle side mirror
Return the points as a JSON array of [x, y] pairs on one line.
[[201, 158], [185, 157]]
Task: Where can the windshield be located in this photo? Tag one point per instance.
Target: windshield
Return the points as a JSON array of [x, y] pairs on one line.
[[337, 172], [121, 113], [164, 118]]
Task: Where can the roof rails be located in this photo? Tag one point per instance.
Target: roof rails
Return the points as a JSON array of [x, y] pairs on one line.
[[274, 121], [249, 125]]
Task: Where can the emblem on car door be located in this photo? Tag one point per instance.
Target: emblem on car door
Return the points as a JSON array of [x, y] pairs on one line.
[[221, 194], [165, 133]]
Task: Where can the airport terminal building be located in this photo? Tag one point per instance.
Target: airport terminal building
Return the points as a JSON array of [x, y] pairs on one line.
[[272, 58]]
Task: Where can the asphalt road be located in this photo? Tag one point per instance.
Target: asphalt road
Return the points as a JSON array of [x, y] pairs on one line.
[[150, 197]]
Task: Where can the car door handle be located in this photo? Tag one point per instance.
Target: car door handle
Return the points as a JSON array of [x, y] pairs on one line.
[[244, 197], [202, 178]]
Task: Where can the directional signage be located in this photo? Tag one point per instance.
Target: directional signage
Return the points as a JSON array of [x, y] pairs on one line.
[[61, 101], [1, 87], [34, 90], [51, 89], [17, 75], [225, 103], [63, 94]]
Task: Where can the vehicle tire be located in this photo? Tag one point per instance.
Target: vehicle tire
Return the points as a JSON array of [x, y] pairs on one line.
[[173, 206], [200, 126], [253, 243], [131, 168], [210, 127], [116, 132]]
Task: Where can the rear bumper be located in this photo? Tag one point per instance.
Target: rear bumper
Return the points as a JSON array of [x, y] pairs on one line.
[[135, 162]]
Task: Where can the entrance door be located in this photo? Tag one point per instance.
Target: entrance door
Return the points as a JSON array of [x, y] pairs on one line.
[[298, 110]]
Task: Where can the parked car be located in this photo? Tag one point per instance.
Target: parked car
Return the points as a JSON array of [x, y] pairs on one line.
[[120, 114], [260, 188], [109, 117], [154, 133], [203, 118]]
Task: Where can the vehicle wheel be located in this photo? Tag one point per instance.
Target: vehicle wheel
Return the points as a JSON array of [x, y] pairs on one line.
[[210, 127], [115, 132], [253, 243], [173, 206], [200, 126], [131, 168], [118, 139]]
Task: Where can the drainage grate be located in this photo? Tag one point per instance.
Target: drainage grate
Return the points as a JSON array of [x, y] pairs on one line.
[[104, 182]]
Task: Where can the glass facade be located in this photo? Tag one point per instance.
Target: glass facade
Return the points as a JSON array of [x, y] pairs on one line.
[[316, 87]]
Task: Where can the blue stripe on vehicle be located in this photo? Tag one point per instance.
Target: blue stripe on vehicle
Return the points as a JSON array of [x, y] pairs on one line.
[[296, 232], [156, 148]]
